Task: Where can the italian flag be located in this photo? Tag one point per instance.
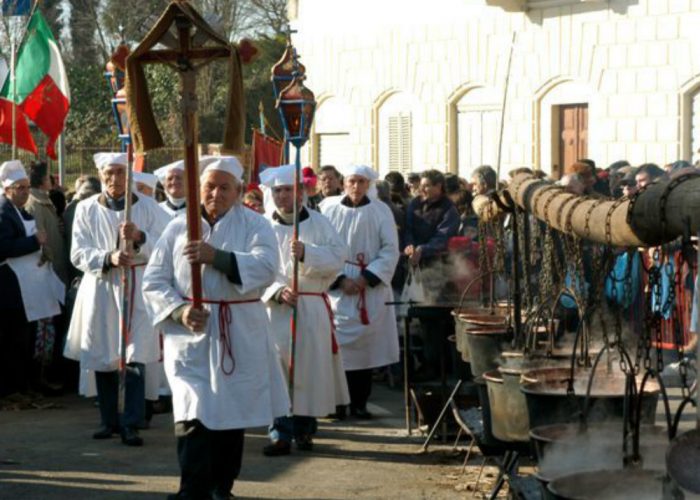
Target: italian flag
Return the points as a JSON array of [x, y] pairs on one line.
[[41, 85], [23, 136]]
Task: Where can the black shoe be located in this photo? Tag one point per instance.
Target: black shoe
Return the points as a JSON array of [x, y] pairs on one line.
[[105, 432], [305, 442], [130, 437], [277, 449], [222, 496], [360, 413], [340, 413]]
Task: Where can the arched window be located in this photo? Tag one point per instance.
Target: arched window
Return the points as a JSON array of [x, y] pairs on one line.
[[476, 118], [332, 133], [395, 123]]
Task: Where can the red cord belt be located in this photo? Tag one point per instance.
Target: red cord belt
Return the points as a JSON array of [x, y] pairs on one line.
[[334, 343], [362, 302], [225, 320]]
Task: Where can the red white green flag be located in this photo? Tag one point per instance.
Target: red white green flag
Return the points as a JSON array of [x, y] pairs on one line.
[[41, 88], [23, 137]]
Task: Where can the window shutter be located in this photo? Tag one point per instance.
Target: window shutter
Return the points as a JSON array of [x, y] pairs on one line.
[[400, 143], [695, 128]]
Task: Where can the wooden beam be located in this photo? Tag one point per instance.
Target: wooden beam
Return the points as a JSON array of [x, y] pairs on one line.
[[659, 214]]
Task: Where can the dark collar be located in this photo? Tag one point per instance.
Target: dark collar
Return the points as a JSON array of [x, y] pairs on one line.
[[346, 201], [172, 206], [116, 205], [212, 222], [303, 215]]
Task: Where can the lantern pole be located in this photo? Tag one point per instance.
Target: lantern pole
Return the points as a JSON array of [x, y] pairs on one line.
[[115, 79], [296, 105]]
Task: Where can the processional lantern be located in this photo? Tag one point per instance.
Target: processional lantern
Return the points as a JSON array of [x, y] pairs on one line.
[[114, 74], [297, 106]]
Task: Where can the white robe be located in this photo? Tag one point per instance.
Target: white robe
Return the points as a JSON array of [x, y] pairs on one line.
[[169, 211], [319, 378], [93, 336], [369, 230], [255, 392], [156, 383]]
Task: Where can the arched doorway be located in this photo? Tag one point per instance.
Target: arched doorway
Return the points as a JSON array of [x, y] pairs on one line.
[[562, 111]]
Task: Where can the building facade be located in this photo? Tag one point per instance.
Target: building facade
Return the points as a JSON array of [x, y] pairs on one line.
[[411, 84]]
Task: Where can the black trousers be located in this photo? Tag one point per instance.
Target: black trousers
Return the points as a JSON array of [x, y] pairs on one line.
[[210, 461], [360, 387], [134, 400], [17, 337]]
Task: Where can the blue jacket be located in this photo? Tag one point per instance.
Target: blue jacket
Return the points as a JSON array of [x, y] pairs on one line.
[[430, 226], [13, 243]]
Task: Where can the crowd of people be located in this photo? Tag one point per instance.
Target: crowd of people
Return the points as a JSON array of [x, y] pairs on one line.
[[234, 360]]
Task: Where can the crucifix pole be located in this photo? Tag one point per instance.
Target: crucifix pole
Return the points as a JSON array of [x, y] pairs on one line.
[[188, 104]]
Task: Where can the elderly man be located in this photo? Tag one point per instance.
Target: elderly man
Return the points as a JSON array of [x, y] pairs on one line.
[[172, 177], [319, 381], [29, 287], [365, 325], [94, 336], [223, 371]]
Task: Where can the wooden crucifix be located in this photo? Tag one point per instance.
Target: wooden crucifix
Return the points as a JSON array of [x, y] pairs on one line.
[[183, 40]]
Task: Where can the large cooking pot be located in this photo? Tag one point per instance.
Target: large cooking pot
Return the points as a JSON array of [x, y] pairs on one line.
[[476, 317], [509, 419], [485, 346], [637, 484], [564, 449], [548, 400], [683, 464]]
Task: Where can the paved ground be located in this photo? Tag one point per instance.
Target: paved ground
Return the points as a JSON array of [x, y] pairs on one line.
[[48, 454]]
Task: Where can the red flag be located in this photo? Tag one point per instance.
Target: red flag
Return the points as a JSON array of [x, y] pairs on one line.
[[267, 152], [22, 134]]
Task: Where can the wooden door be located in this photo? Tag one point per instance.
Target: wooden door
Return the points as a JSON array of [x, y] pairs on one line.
[[573, 136]]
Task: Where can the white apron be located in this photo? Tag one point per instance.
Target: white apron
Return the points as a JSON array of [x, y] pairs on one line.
[[42, 291]]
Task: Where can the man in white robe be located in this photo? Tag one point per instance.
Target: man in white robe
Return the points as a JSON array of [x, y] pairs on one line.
[[145, 183], [172, 177], [220, 360], [94, 334], [319, 380], [365, 325]]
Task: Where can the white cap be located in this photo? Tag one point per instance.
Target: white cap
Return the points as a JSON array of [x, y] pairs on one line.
[[105, 159], [278, 176], [361, 170], [228, 164], [163, 171], [12, 171], [145, 178]]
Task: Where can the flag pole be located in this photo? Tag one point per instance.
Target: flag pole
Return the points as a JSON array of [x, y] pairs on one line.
[[13, 86], [15, 43]]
